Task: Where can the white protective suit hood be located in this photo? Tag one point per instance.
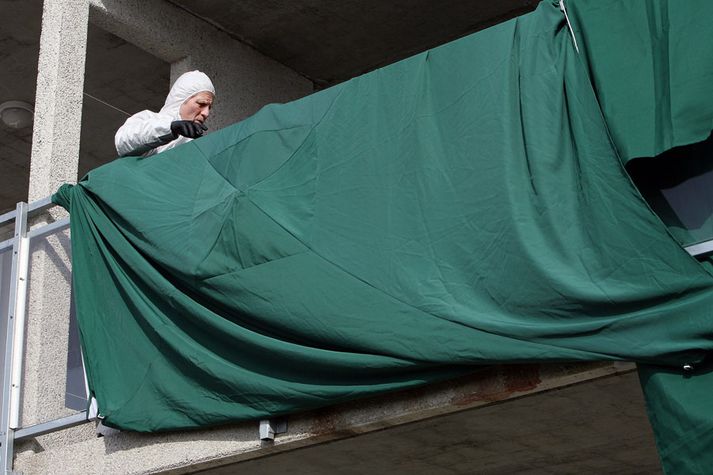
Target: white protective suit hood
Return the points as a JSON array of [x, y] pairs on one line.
[[146, 133], [187, 85]]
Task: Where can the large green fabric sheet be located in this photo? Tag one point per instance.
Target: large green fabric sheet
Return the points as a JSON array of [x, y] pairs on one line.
[[680, 409], [650, 65], [464, 206]]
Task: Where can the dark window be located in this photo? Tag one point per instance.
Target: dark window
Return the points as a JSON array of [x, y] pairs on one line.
[[678, 185]]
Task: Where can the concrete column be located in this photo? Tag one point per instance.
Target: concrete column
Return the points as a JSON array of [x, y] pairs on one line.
[[58, 106], [54, 161]]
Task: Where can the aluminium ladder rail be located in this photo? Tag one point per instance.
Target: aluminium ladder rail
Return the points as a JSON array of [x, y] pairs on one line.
[[10, 430]]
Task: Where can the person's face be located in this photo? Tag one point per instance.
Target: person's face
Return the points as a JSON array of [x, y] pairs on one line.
[[197, 107]]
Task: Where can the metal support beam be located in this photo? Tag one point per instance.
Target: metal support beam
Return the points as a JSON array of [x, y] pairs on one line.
[[40, 205], [49, 229], [15, 333], [33, 208], [9, 216], [6, 244], [52, 426]]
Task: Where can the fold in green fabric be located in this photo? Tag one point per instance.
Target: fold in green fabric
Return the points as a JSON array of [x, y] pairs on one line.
[[464, 206], [650, 65], [681, 414]]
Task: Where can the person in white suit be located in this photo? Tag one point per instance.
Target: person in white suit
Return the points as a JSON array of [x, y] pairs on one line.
[[180, 120]]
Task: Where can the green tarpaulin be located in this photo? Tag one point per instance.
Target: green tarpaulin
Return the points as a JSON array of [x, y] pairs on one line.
[[650, 65], [462, 207]]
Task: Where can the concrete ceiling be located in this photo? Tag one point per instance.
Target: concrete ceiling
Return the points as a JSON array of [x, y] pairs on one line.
[[19, 50], [329, 41]]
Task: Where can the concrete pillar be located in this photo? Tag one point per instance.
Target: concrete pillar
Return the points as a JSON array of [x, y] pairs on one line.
[[58, 106], [54, 161]]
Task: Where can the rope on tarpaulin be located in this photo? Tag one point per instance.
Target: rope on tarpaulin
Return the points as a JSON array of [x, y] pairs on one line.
[[569, 25]]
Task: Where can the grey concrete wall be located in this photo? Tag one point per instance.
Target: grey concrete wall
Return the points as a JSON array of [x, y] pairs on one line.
[[60, 82], [245, 81], [54, 161]]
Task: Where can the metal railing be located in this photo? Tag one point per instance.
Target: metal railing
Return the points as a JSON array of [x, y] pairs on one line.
[[10, 430]]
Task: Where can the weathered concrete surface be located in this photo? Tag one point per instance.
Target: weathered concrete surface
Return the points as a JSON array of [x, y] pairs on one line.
[[55, 148], [428, 415], [19, 51], [245, 80], [590, 428], [330, 41], [127, 78], [60, 81]]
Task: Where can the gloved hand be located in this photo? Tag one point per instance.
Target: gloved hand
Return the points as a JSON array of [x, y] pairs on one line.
[[187, 128]]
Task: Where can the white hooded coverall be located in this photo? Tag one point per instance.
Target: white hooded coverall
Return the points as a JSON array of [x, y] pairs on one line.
[[146, 133]]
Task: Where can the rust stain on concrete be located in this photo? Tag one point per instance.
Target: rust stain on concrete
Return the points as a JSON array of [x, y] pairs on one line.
[[501, 382], [521, 378], [324, 422]]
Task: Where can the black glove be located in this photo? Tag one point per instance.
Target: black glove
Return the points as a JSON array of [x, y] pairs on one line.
[[187, 128]]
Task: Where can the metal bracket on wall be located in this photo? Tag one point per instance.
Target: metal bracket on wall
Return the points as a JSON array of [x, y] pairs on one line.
[[270, 427]]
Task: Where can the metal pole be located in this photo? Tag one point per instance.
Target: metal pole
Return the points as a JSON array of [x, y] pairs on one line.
[[9, 216], [6, 432], [52, 426], [18, 347]]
